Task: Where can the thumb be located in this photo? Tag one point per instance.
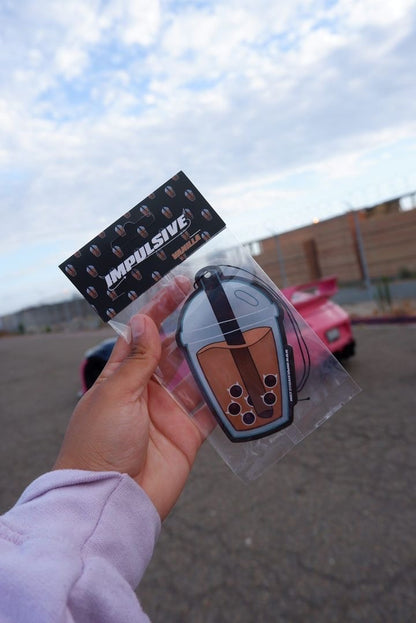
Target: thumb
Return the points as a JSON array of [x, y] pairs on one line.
[[134, 373]]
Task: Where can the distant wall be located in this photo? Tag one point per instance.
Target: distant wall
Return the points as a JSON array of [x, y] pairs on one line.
[[75, 314], [390, 243], [332, 247]]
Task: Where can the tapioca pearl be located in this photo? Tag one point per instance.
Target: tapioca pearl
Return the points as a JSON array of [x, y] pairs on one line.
[[270, 380], [248, 418], [234, 408], [269, 398], [249, 400], [236, 391]]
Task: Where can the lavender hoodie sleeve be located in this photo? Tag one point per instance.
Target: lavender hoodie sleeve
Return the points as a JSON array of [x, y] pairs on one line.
[[74, 548]]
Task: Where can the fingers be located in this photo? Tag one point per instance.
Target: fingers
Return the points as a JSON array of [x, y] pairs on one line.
[[118, 354], [171, 362], [168, 299], [174, 373], [187, 393], [134, 372], [205, 421], [183, 388], [159, 308]]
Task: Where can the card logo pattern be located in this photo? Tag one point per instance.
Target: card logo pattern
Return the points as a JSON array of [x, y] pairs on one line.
[[142, 246]]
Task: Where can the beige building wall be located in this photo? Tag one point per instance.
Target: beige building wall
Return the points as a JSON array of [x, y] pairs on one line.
[[332, 247]]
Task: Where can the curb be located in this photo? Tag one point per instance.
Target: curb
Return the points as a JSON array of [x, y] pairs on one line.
[[384, 320]]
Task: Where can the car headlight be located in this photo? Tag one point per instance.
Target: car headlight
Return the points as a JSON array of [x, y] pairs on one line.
[[332, 335]]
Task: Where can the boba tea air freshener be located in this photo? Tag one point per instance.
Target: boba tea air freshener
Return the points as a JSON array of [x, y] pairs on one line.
[[232, 334], [264, 379]]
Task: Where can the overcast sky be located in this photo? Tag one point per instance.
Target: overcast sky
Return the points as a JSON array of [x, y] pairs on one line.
[[279, 112]]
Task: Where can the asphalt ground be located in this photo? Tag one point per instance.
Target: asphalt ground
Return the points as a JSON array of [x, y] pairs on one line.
[[326, 535]]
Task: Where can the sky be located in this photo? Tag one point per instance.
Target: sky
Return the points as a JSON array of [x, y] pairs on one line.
[[279, 112]]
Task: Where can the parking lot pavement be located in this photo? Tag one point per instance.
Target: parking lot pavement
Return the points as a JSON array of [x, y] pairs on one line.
[[326, 535]]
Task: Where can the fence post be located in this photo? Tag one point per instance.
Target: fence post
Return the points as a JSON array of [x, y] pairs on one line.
[[312, 259], [281, 261], [361, 251]]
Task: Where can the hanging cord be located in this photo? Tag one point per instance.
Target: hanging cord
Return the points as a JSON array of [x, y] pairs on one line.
[[303, 348]]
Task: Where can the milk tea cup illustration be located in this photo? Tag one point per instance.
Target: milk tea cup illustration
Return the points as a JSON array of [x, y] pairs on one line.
[[232, 334]]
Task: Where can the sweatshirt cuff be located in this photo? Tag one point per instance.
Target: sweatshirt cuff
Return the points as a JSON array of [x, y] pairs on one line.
[[103, 514]]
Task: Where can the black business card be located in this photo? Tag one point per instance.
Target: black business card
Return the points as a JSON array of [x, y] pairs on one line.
[[142, 246]]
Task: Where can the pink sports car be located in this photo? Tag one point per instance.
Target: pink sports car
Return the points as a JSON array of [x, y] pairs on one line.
[[329, 321]]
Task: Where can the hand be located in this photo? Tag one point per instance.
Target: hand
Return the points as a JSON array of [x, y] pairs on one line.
[[127, 422]]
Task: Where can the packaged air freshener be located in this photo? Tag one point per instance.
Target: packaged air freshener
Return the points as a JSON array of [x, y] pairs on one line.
[[237, 356], [232, 334]]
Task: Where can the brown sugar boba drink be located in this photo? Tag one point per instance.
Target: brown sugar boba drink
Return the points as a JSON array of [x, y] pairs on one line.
[[245, 407], [232, 334]]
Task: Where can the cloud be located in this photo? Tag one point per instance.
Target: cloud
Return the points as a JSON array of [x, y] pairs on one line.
[[279, 106]]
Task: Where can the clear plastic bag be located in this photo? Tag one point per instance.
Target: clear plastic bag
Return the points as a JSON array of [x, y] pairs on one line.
[[239, 358]]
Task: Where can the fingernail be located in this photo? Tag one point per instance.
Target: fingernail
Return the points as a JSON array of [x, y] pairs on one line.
[[137, 327]]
